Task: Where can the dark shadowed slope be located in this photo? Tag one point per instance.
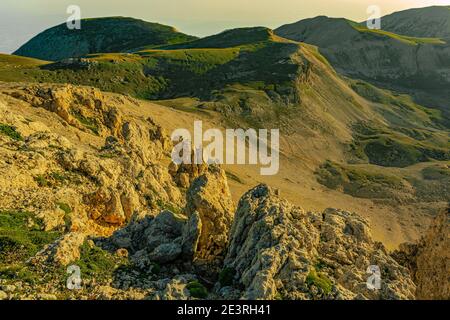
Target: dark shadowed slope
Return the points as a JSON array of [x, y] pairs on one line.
[[100, 35], [424, 22]]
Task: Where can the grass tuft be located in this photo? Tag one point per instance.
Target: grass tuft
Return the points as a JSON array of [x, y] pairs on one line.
[[10, 131], [197, 290], [320, 281]]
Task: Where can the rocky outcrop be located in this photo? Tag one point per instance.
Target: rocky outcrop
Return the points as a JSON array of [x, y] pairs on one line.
[[119, 179], [152, 239], [184, 174], [429, 260], [201, 235], [81, 164], [64, 251], [279, 251], [209, 197]]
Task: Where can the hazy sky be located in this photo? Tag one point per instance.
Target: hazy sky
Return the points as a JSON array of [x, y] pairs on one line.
[[22, 19]]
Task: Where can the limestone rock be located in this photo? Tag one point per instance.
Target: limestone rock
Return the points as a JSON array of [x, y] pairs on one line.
[[210, 197], [184, 174], [166, 252], [278, 250], [165, 228], [3, 295], [176, 289], [151, 239], [191, 235], [64, 251]]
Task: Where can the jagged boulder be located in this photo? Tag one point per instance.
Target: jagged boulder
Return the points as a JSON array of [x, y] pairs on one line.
[[162, 239], [64, 251], [168, 237], [278, 250], [184, 174], [159, 240], [210, 198], [191, 235]]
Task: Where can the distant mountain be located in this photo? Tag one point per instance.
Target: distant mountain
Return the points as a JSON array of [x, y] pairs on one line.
[[423, 22], [100, 35], [321, 31], [261, 80], [420, 66], [229, 38]]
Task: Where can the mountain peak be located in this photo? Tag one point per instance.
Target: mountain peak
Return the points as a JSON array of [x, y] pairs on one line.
[[331, 30], [99, 35], [230, 38]]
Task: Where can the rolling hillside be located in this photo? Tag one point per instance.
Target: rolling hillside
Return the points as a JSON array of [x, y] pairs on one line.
[[431, 22], [113, 34], [416, 63]]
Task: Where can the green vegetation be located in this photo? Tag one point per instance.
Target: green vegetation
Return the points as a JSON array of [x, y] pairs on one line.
[[97, 263], [404, 39], [230, 38], [226, 276], [16, 68], [372, 183], [168, 206], [436, 173], [107, 155], [359, 182], [19, 272], [10, 131], [391, 153], [198, 61], [197, 290], [197, 69], [41, 181], [21, 237], [320, 264], [89, 123], [399, 109], [398, 146], [59, 177], [53, 179], [319, 280], [64, 207]]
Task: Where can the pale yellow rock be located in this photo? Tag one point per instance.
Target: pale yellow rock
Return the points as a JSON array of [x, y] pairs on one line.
[[210, 197]]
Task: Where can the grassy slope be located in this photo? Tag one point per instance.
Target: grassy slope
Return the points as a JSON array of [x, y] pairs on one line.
[[16, 68], [385, 59], [21, 237], [157, 74], [248, 83], [404, 39], [110, 34]]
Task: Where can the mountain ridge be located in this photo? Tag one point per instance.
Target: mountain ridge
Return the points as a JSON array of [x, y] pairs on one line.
[[417, 66]]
